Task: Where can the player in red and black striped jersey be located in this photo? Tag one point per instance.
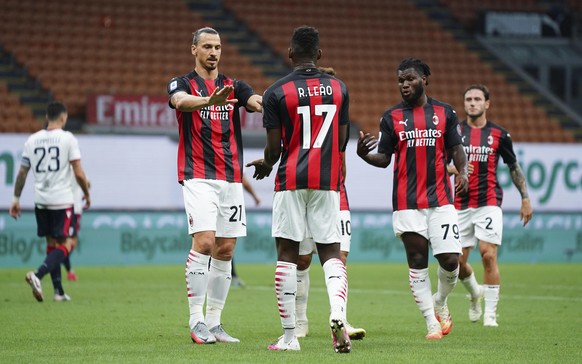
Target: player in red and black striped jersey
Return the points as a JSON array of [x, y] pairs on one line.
[[421, 132], [480, 215], [306, 114], [210, 159]]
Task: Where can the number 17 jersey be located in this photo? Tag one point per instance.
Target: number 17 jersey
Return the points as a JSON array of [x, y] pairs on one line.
[[308, 106]]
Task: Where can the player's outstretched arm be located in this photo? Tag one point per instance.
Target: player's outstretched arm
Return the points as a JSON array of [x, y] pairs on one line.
[[188, 103], [366, 143]]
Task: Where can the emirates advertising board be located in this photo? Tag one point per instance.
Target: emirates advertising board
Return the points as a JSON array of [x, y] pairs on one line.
[[139, 173]]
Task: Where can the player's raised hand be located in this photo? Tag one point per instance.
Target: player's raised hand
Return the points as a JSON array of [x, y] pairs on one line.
[[219, 97], [262, 169], [366, 143]]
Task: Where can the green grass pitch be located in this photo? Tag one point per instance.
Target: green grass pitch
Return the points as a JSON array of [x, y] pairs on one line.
[[140, 315]]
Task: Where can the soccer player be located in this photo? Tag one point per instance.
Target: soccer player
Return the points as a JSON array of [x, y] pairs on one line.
[[306, 114], [74, 239], [306, 250], [210, 155], [422, 132], [53, 155], [480, 215]]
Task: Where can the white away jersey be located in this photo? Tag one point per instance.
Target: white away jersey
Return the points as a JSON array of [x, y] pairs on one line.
[[48, 153]]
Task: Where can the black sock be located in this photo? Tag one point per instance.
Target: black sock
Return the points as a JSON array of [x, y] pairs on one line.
[[67, 263], [57, 281], [52, 260]]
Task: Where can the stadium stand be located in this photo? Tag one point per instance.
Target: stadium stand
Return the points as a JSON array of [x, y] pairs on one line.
[[364, 42], [73, 49]]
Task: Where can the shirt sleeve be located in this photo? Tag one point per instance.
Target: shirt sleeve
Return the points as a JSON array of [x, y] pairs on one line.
[[25, 160], [506, 148], [177, 84], [345, 107], [453, 130], [387, 137], [271, 118], [74, 151], [243, 92]]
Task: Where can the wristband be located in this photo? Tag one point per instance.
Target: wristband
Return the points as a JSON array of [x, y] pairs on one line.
[[15, 199]]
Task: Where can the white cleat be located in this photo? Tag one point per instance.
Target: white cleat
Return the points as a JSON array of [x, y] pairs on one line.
[[434, 332], [490, 319], [34, 283], [355, 333], [301, 328], [475, 309], [222, 336], [340, 338], [61, 298], [201, 335], [281, 345]]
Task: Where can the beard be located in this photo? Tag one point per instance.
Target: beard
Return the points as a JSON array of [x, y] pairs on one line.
[[415, 96]]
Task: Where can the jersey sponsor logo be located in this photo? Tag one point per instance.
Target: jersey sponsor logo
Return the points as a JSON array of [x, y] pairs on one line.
[[173, 85], [478, 153], [420, 137]]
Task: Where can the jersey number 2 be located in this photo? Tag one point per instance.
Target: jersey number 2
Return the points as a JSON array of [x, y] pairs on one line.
[[305, 112]]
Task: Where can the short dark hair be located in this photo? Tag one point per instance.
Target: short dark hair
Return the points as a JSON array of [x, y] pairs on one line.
[[305, 42], [478, 86], [196, 35], [422, 68], [54, 110]]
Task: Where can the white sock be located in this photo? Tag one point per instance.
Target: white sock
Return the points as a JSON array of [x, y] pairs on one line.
[[491, 295], [286, 289], [447, 281], [421, 291], [302, 294], [471, 285], [196, 284], [336, 280], [219, 279]]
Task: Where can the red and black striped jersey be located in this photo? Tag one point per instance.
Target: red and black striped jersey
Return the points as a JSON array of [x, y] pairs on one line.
[[483, 147], [419, 137], [308, 106], [344, 203], [210, 140]]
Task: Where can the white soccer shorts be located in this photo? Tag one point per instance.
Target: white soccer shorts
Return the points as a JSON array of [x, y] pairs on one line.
[[439, 225], [481, 223], [214, 205], [308, 246], [299, 214]]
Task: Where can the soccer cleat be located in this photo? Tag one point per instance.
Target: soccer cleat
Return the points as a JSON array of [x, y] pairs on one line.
[[237, 282], [71, 276], [443, 316], [355, 333], [490, 319], [281, 345], [34, 282], [201, 335], [475, 310], [301, 328], [434, 332], [61, 298], [340, 337], [222, 336]]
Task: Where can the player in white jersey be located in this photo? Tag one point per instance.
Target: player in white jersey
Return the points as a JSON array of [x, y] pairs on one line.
[[74, 240], [51, 153]]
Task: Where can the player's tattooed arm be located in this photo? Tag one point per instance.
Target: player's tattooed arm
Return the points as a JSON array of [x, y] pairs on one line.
[[20, 180], [518, 179]]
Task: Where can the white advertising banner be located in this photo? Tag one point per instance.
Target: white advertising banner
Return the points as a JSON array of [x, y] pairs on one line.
[[139, 172]]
